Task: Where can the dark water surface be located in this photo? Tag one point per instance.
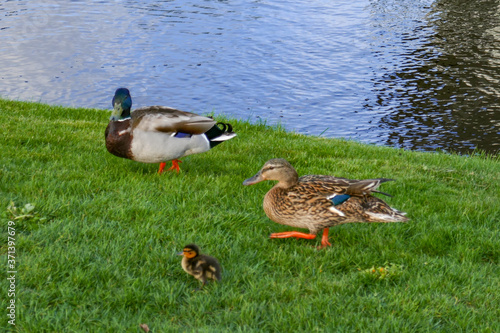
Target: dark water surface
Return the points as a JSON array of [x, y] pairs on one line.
[[417, 74]]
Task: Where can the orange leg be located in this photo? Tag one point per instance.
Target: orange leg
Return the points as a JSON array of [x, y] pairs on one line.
[[162, 166], [324, 239], [296, 234], [175, 166]]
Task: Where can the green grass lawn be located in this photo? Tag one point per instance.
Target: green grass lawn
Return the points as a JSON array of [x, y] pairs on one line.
[[97, 251]]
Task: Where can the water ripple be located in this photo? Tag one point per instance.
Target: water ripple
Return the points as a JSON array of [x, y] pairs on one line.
[[414, 74]]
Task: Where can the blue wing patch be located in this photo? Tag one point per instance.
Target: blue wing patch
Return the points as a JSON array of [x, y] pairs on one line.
[[337, 199], [182, 135]]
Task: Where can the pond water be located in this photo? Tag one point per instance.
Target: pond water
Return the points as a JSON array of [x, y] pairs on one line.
[[417, 74]]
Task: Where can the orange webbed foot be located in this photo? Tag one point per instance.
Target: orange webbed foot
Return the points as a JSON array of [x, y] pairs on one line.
[[175, 166], [296, 234]]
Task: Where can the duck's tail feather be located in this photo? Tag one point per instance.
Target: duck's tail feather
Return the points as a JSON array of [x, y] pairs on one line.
[[376, 210], [395, 216], [220, 132], [367, 186], [380, 192]]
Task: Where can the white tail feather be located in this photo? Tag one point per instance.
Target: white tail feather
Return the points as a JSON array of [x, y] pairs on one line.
[[386, 217], [224, 137]]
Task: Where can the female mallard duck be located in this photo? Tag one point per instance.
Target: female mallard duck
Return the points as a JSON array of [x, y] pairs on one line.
[[155, 134], [200, 266], [317, 202]]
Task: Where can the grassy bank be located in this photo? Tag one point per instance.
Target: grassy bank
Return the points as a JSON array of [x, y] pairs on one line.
[[96, 250]]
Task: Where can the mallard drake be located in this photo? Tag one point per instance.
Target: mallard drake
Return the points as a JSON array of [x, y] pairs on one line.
[[155, 134], [318, 202], [200, 266]]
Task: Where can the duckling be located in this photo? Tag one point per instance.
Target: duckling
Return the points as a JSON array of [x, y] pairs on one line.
[[317, 202], [155, 134], [200, 266]]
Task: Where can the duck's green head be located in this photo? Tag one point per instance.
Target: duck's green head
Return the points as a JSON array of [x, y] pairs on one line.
[[122, 102]]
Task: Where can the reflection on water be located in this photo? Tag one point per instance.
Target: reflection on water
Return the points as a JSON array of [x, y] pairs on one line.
[[442, 88], [415, 74]]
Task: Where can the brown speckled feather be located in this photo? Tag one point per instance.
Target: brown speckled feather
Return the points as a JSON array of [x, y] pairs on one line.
[[329, 184], [305, 202]]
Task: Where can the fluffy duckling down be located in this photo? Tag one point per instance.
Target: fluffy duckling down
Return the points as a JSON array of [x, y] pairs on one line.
[[201, 266]]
